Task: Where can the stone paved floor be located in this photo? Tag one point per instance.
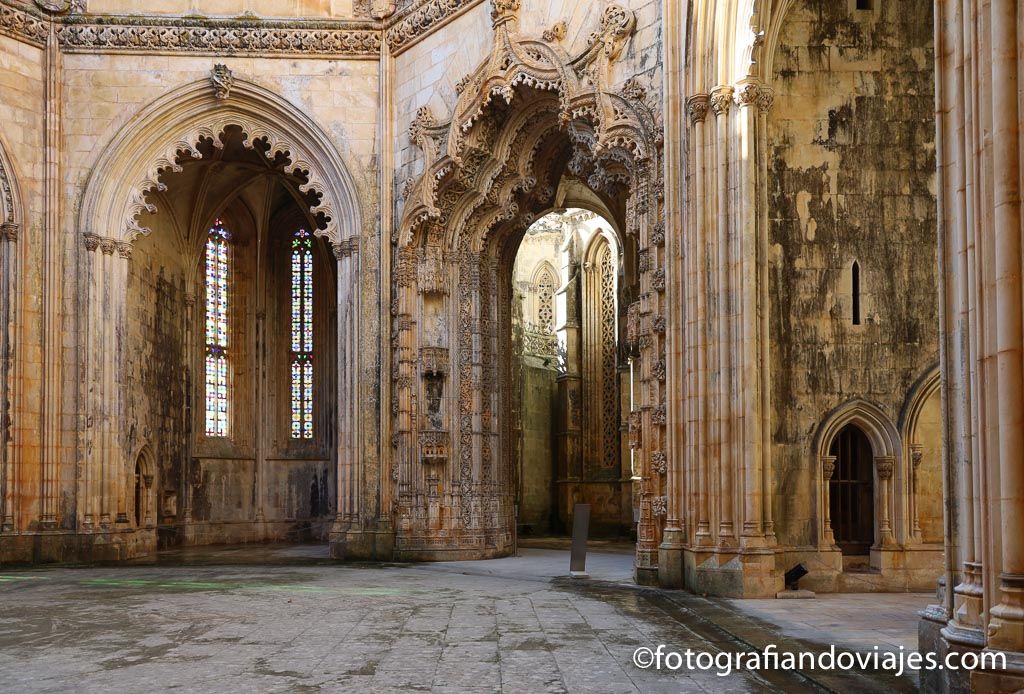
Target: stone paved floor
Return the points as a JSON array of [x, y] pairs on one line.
[[295, 622]]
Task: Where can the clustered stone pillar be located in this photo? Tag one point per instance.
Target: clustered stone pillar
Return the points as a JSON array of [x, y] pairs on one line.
[[105, 473], [978, 67], [8, 294], [884, 464], [349, 466]]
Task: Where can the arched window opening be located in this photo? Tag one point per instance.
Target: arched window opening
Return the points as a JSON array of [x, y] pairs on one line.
[[217, 277], [855, 291], [546, 301], [851, 492], [302, 335]]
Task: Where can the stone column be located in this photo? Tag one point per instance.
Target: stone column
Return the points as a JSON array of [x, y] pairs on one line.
[[8, 292], [916, 455], [697, 107], [721, 100], [884, 464], [1006, 625], [349, 454], [828, 466], [747, 316]]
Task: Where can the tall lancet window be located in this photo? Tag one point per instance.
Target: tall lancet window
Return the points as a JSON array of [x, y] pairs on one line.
[[302, 335], [217, 271], [546, 301]]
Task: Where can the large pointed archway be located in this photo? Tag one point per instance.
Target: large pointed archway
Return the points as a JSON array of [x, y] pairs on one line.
[[127, 193], [530, 124]]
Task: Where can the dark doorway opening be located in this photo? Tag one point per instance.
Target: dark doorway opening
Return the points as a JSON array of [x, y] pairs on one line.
[[852, 492]]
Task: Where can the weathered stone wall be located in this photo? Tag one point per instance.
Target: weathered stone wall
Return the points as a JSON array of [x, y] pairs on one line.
[[539, 402], [22, 134], [851, 177]]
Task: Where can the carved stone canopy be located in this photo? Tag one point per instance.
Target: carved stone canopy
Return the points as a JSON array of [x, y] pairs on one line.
[[480, 160]]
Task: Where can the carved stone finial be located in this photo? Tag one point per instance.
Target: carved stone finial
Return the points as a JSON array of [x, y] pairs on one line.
[[424, 119], [697, 108], [222, 80], [555, 33], [504, 11], [617, 24], [633, 90]]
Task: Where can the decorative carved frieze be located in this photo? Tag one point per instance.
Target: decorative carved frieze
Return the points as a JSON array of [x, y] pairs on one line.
[[658, 280], [659, 415], [422, 18], [659, 506], [659, 462], [22, 24], [219, 36]]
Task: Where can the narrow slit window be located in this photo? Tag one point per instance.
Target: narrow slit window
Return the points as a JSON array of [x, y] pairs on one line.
[[855, 291], [217, 271], [302, 335], [865, 5]]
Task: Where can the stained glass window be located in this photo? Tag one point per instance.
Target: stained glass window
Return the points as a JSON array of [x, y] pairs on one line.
[[217, 330], [302, 335]]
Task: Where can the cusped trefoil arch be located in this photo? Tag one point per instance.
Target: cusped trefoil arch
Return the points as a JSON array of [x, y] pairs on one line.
[[175, 125], [596, 117]]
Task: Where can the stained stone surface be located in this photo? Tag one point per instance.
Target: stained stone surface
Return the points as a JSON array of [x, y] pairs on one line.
[[298, 623]]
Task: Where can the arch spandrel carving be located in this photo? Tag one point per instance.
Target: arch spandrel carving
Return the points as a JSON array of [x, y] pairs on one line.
[[175, 124]]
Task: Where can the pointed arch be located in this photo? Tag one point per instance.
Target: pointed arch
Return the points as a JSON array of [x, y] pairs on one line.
[[10, 192], [177, 122]]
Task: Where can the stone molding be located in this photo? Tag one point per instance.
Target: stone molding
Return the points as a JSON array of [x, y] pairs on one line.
[[210, 36], [421, 19]]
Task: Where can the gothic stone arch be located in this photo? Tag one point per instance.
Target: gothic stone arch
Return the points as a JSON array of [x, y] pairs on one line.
[[529, 112], [127, 170]]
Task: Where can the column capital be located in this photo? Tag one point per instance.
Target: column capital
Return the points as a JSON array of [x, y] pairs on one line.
[[828, 466], [885, 464], [9, 231], [697, 108], [721, 99], [92, 241]]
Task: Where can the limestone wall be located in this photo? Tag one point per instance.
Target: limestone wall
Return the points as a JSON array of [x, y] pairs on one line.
[[851, 177], [22, 136]]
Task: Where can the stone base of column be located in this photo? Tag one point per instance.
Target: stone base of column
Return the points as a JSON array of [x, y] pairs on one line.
[[934, 638], [732, 574], [670, 560], [356, 544], [998, 681], [60, 546]]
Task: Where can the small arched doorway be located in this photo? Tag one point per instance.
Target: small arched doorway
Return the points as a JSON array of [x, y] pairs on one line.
[[852, 492]]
